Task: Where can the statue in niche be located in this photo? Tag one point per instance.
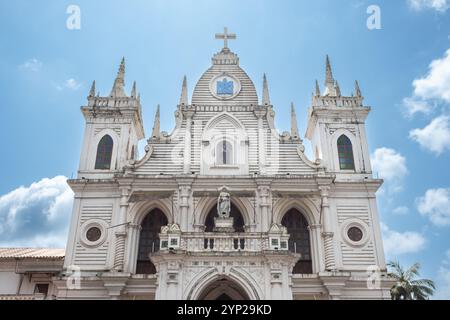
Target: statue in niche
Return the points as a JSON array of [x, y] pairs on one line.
[[224, 205]]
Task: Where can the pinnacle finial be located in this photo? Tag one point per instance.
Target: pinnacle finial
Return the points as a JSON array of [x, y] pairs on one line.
[[357, 89], [330, 83], [92, 91], [121, 72], [133, 90], [338, 89], [317, 89], [119, 83], [156, 125], [329, 72], [294, 125], [184, 94], [265, 97]]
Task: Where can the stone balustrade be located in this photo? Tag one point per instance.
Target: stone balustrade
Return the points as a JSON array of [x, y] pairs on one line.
[[223, 242], [341, 101]]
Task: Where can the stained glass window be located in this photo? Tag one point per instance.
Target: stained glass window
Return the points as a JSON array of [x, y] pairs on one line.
[[225, 87], [345, 152], [104, 153]]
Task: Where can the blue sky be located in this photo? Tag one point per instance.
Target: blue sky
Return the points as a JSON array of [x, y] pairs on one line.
[[403, 69]]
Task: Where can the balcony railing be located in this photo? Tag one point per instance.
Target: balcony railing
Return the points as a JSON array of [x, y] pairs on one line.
[[223, 242]]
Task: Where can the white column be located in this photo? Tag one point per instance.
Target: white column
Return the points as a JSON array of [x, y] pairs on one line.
[[264, 204], [132, 247], [316, 248], [184, 191], [121, 232], [187, 143], [260, 113], [327, 233]]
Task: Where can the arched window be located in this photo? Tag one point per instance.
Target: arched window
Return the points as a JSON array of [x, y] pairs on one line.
[[149, 240], [224, 153], [345, 152], [299, 241], [104, 153]]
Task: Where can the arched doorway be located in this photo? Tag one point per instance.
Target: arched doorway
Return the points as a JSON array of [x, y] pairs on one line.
[[223, 289], [149, 240], [299, 240], [238, 222]]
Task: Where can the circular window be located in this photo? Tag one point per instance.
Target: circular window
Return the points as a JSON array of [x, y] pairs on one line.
[[93, 234], [355, 234], [224, 86]]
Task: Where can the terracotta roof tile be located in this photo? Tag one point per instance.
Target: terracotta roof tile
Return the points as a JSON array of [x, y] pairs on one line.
[[31, 253]]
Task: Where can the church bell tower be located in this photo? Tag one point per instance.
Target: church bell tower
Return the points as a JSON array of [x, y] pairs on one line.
[[336, 128], [113, 129]]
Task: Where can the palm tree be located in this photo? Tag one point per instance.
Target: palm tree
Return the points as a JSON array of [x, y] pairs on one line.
[[407, 287]]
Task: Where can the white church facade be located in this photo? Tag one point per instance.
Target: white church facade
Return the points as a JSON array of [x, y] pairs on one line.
[[224, 206]]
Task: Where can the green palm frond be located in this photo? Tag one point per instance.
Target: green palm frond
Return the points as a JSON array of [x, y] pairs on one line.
[[407, 286], [413, 271]]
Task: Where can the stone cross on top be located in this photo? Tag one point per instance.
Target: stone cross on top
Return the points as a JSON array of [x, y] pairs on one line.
[[225, 36]]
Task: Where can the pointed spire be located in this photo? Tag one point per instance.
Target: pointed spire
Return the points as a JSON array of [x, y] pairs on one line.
[[317, 89], [265, 97], [133, 91], [119, 84], [184, 94], [329, 72], [294, 126], [156, 125], [330, 83], [338, 89], [357, 89], [92, 91]]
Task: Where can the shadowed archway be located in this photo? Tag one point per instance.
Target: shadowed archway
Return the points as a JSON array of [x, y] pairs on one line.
[[299, 240], [223, 289], [149, 240], [238, 222]]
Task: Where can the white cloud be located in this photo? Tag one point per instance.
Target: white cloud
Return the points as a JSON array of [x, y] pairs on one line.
[[443, 283], [402, 210], [436, 205], [435, 137], [391, 166], [432, 89], [438, 5], [70, 84], [436, 84], [415, 105], [37, 215], [397, 243], [32, 64]]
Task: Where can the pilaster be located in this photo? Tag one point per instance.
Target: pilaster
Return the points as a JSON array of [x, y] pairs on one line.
[[327, 234], [121, 232]]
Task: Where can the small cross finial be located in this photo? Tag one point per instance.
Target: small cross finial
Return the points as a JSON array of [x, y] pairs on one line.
[[225, 36]]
